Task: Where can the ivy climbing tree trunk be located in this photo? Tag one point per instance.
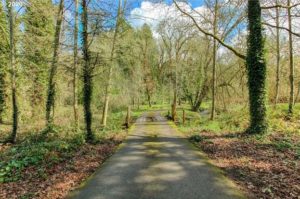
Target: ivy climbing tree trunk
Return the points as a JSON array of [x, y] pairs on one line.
[[75, 57], [13, 72], [256, 70], [52, 73], [87, 75], [292, 86]]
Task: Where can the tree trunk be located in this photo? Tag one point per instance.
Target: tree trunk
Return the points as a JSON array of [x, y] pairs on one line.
[[174, 105], [256, 70], [298, 92], [87, 75], [291, 101], [51, 84], [3, 84], [149, 98], [213, 108], [110, 70], [202, 95], [15, 113], [278, 56], [75, 100]]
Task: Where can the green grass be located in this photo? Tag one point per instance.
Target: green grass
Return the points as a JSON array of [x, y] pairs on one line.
[[283, 133], [236, 119]]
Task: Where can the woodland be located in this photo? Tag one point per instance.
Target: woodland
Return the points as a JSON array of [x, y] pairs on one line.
[[76, 74]]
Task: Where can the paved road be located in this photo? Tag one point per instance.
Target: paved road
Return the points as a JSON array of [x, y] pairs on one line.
[[156, 163]]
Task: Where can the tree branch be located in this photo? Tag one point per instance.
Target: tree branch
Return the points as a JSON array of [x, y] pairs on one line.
[[280, 27], [210, 34], [280, 6]]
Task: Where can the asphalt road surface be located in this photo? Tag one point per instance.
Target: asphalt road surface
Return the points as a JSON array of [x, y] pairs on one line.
[[155, 162]]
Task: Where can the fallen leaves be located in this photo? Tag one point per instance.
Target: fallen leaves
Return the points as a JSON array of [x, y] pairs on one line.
[[56, 181], [261, 169]]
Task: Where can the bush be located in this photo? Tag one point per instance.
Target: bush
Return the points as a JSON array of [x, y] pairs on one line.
[[196, 138]]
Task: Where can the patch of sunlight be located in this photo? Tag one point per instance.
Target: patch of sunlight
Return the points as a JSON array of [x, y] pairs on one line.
[[153, 144], [161, 172], [152, 152]]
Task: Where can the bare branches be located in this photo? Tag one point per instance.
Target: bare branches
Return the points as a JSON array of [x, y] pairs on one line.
[[280, 6], [210, 34], [280, 27]]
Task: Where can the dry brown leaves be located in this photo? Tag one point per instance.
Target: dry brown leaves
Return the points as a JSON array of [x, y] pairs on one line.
[[55, 182], [260, 169]]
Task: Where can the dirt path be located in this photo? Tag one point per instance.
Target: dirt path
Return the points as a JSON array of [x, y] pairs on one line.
[[156, 163]]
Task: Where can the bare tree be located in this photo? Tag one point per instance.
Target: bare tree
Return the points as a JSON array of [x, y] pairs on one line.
[[277, 55], [213, 108], [75, 57], [291, 101], [110, 69]]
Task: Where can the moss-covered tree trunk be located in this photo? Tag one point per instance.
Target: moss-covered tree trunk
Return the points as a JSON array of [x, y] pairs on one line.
[[3, 61], [87, 75], [256, 68], [52, 73], [13, 72]]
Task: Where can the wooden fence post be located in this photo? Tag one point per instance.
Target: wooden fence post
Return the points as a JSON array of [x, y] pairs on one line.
[[128, 117], [183, 116]]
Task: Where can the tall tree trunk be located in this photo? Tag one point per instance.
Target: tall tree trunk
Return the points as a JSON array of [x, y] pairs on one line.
[[51, 84], [174, 105], [298, 92], [87, 75], [256, 70], [148, 97], [2, 92], [213, 108], [15, 113], [278, 56], [291, 101], [110, 70], [75, 100], [199, 99], [3, 48]]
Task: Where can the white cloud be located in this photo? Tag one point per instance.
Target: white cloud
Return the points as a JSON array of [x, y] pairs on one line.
[[153, 13]]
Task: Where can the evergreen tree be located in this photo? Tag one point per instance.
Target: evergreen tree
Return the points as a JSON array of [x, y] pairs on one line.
[[38, 40], [256, 68]]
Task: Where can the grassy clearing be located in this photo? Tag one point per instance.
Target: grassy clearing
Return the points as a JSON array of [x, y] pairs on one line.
[[283, 133]]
